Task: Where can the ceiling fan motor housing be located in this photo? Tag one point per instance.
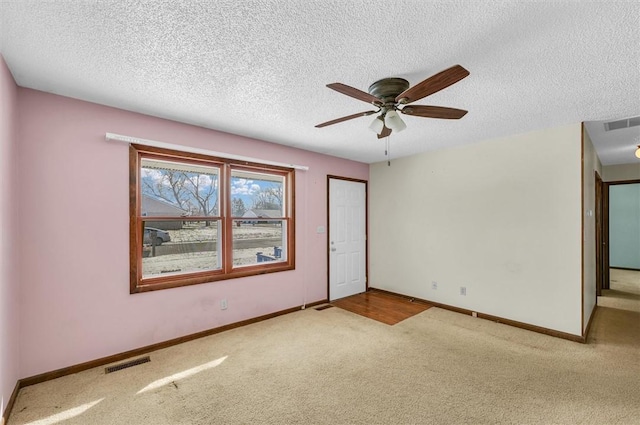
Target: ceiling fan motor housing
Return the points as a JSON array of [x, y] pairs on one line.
[[388, 89]]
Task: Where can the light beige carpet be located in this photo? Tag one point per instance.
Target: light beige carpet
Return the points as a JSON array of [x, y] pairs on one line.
[[335, 367]]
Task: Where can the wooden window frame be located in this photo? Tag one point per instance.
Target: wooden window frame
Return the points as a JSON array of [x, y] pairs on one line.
[[138, 283]]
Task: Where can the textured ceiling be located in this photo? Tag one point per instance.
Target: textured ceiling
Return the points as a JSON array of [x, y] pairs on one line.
[[259, 68]]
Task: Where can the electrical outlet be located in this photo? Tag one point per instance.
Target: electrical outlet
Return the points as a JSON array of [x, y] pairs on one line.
[[474, 314], [223, 304], [463, 290], [434, 285]]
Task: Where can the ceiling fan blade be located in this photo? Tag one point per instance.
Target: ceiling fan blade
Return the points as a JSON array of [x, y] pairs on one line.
[[355, 93], [384, 133], [434, 112], [433, 84], [348, 117]]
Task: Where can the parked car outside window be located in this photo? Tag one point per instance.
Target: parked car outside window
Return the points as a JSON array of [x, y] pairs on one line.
[[161, 236]]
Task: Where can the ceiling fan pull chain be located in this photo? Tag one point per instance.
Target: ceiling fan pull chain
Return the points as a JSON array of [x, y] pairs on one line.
[[387, 151]]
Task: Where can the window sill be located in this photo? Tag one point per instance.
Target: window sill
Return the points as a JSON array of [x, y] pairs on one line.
[[158, 283]]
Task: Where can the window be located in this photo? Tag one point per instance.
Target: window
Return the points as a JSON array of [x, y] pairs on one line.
[[197, 219]]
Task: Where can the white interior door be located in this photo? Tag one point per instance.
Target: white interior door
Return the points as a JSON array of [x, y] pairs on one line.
[[347, 238]]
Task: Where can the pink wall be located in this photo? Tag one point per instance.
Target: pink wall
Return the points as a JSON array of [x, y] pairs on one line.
[[74, 236], [9, 323]]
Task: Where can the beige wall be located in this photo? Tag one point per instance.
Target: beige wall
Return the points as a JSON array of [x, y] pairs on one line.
[[612, 173], [502, 218], [591, 164]]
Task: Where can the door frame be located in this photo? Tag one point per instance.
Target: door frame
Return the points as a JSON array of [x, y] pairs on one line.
[[605, 260], [366, 230], [599, 230]]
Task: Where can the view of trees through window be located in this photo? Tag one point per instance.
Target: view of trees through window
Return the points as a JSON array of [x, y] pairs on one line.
[[196, 190], [194, 193]]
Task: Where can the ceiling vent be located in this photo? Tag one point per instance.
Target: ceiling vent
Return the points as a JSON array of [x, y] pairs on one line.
[[626, 123]]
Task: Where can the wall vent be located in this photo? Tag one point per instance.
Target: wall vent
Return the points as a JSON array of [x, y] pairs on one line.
[[626, 123], [130, 363]]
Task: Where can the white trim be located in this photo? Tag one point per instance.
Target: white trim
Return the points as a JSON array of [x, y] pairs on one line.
[[155, 143]]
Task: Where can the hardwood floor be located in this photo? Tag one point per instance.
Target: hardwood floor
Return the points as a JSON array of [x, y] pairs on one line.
[[381, 306]]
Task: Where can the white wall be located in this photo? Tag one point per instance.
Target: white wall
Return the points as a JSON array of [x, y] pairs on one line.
[[591, 164], [614, 173], [501, 218]]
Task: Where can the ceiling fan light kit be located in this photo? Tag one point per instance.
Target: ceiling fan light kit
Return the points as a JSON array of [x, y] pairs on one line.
[[377, 125], [390, 95], [393, 121]]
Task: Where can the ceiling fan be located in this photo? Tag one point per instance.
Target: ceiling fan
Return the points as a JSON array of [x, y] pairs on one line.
[[390, 94]]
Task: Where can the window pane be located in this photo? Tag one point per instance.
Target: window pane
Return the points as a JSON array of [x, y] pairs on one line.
[[178, 189], [174, 247], [261, 242], [257, 195]]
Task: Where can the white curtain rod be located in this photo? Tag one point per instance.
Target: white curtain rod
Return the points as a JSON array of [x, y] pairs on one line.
[[156, 144]]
